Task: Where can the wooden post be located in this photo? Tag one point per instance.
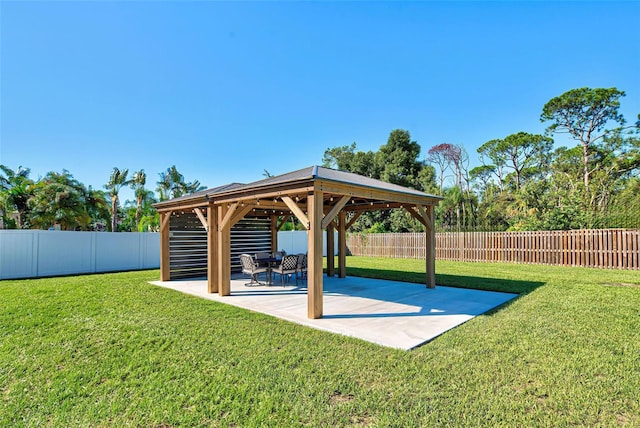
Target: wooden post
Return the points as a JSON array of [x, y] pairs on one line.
[[224, 250], [330, 248], [165, 272], [314, 275], [430, 255], [212, 249], [342, 244]]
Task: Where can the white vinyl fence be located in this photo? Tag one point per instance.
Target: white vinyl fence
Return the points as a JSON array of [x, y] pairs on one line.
[[296, 242], [36, 253]]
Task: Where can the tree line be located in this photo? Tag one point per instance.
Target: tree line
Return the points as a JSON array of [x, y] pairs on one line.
[[58, 200], [523, 182]]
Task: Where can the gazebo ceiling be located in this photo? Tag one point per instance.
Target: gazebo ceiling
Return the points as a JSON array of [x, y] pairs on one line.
[[268, 196]]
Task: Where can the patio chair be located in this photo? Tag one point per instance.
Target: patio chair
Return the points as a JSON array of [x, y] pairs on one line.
[[250, 267], [279, 254], [301, 270], [288, 266]]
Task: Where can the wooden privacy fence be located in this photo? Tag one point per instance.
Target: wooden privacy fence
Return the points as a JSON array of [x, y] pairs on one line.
[[603, 248]]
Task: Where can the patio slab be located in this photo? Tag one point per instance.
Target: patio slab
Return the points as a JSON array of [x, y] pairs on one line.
[[395, 314]]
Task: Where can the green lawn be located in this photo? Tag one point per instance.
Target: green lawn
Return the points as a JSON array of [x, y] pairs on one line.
[[112, 350]]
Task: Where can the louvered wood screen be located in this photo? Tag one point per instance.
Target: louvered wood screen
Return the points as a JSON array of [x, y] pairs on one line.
[[188, 244]]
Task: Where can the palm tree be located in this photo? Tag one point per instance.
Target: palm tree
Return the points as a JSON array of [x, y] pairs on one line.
[[168, 182], [97, 207], [117, 181], [172, 184], [15, 190], [137, 184], [59, 199]]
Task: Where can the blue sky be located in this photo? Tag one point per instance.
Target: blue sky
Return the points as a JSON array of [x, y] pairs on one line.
[[224, 90]]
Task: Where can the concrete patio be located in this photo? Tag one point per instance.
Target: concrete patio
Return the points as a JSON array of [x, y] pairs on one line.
[[389, 313]]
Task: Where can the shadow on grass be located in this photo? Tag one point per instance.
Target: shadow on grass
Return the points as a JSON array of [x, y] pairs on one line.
[[474, 282]]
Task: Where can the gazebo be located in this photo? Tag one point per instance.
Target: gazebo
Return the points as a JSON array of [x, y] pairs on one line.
[[320, 198]]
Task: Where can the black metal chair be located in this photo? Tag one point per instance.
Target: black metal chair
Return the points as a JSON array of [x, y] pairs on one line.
[[288, 266], [301, 270], [250, 267]]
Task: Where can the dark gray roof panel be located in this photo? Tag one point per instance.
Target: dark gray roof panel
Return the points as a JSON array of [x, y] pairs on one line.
[[361, 180], [298, 175], [309, 173], [329, 174]]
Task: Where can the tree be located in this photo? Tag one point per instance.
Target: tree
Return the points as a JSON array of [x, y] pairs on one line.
[[172, 184], [346, 158], [439, 155], [16, 188], [584, 113], [117, 181], [97, 207], [397, 160], [481, 175], [59, 199], [137, 184], [524, 153], [139, 215]]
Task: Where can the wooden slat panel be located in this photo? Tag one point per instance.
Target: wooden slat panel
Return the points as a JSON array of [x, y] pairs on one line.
[[606, 248]]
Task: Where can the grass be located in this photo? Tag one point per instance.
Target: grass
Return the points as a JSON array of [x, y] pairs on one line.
[[112, 350]]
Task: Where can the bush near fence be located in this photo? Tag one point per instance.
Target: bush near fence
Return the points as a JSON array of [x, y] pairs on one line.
[[602, 248]]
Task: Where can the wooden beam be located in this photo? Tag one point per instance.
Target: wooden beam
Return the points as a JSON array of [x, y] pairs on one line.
[[353, 219], [165, 271], [224, 250], [212, 249], [342, 244], [265, 194], [227, 216], [428, 222], [368, 193], [185, 207], [334, 211], [239, 215], [295, 209], [416, 215], [376, 206], [202, 218], [314, 266], [330, 247], [430, 255], [164, 221]]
